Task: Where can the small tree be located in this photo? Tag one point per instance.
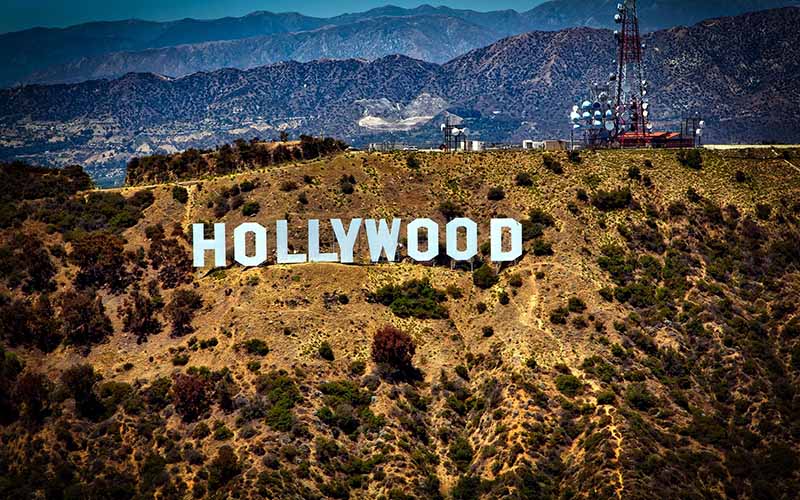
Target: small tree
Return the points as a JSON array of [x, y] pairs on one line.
[[190, 394], [83, 318], [224, 467], [180, 310], [79, 381], [31, 392], [138, 316], [100, 257], [394, 347]]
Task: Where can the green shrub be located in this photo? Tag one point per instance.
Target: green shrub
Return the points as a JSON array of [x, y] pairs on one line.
[[484, 277], [256, 346], [496, 194], [639, 397], [763, 211], [552, 164], [180, 194], [542, 248], [325, 351], [281, 394], [569, 385], [223, 468], [691, 158], [450, 210], [180, 359], [250, 208], [576, 305], [347, 184], [539, 216], [415, 298], [606, 398], [612, 200], [524, 179], [358, 367], [461, 453], [559, 316]]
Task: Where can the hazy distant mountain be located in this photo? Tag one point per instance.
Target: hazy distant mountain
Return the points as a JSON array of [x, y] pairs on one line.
[[742, 73], [653, 14], [430, 37], [110, 49]]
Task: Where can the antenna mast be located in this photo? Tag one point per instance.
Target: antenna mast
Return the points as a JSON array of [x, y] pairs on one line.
[[630, 102]]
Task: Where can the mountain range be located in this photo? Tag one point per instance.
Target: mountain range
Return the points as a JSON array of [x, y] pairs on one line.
[[739, 72], [433, 34]]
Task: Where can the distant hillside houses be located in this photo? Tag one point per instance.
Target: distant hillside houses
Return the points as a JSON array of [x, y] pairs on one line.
[[546, 145]]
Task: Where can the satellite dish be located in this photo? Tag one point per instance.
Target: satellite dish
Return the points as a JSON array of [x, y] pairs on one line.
[[616, 33], [649, 126], [699, 131], [598, 114], [603, 96], [617, 18], [609, 126], [586, 105], [575, 116], [645, 113], [609, 114], [620, 7], [574, 109], [612, 77], [645, 105], [442, 126], [587, 115], [702, 124], [576, 126], [597, 123]]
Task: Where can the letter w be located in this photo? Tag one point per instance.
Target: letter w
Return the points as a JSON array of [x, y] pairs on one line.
[[382, 239]]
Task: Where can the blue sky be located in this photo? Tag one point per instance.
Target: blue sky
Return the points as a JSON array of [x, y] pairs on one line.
[[23, 14]]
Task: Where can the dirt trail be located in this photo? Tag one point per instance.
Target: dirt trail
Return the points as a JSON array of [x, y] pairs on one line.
[[620, 488], [187, 220]]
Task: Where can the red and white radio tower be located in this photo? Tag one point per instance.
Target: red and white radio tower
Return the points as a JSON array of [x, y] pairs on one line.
[[631, 101]]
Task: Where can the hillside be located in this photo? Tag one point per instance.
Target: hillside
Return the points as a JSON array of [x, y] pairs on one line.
[[739, 72], [111, 49], [648, 340]]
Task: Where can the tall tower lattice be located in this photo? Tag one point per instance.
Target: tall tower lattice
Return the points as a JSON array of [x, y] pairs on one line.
[[631, 103]]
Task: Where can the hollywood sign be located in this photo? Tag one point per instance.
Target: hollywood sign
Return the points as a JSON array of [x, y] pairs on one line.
[[383, 238]]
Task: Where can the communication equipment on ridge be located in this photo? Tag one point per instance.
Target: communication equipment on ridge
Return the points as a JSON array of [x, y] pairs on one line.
[[618, 113]]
